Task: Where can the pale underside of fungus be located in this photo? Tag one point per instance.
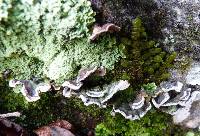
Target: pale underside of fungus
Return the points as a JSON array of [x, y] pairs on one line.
[[135, 110], [99, 30], [100, 96], [29, 89], [97, 95], [172, 97]]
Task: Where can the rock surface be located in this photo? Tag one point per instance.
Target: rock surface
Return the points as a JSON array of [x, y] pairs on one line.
[[8, 128], [193, 76], [57, 128], [182, 35], [123, 12]]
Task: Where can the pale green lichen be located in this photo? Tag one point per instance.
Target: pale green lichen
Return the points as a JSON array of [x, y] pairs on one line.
[[33, 25], [80, 53], [5, 5], [22, 66], [55, 33]]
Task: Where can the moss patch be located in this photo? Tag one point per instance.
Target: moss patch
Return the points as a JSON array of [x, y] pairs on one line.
[[146, 62], [153, 124]]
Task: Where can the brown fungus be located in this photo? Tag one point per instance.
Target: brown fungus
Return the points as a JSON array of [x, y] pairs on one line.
[[99, 30]]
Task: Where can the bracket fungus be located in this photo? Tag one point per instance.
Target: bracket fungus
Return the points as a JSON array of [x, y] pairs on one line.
[[69, 86], [72, 85], [177, 97], [99, 30], [135, 110], [173, 97], [133, 114], [30, 90], [181, 101], [95, 95], [101, 96], [84, 73]]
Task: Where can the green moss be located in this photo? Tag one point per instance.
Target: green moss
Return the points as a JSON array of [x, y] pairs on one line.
[[101, 130], [154, 124], [149, 88], [11, 101], [125, 76], [145, 62]]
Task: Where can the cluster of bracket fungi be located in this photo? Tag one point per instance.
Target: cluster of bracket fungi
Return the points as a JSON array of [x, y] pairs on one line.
[[96, 95], [172, 97]]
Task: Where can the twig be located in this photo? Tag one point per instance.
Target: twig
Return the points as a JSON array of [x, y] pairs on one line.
[[13, 114]]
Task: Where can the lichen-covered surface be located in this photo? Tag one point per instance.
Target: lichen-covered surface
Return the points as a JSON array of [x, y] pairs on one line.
[[181, 34], [5, 5], [181, 31], [43, 32], [48, 41]]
